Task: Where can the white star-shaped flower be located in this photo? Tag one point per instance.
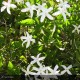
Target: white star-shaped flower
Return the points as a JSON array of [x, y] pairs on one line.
[[37, 59], [27, 39], [28, 72], [41, 70], [77, 28], [7, 5], [54, 71], [29, 8], [62, 11], [63, 4], [39, 8], [66, 69], [45, 13]]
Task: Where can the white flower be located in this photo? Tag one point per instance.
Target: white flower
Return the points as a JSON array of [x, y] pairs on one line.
[[37, 59], [50, 73], [7, 5], [27, 72], [29, 8], [27, 39], [63, 4], [62, 11], [66, 69], [77, 28], [39, 8], [41, 70], [45, 13], [53, 71]]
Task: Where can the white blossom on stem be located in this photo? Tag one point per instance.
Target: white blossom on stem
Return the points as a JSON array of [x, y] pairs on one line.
[[28, 72], [7, 5], [66, 69], [27, 39], [40, 8], [62, 11], [76, 28], [37, 59], [41, 70], [45, 13], [54, 71], [63, 4], [30, 8]]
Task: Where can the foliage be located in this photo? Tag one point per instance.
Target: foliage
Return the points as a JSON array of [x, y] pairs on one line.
[[53, 38]]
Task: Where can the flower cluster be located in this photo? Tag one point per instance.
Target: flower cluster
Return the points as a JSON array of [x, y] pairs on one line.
[[41, 9], [45, 72], [42, 12], [62, 9]]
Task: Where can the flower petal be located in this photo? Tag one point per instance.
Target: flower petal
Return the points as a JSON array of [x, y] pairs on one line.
[[64, 16], [42, 18], [13, 6], [62, 72], [3, 8], [24, 42], [32, 57], [31, 12], [34, 68], [28, 44], [32, 62], [23, 37], [28, 4], [51, 8], [41, 58], [49, 16], [56, 67], [4, 3], [70, 67], [8, 10], [69, 72], [56, 13], [38, 55], [25, 10], [33, 40]]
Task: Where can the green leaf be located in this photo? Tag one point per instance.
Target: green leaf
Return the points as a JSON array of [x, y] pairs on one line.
[[1, 64], [10, 65], [27, 22], [16, 44], [40, 48], [23, 58]]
